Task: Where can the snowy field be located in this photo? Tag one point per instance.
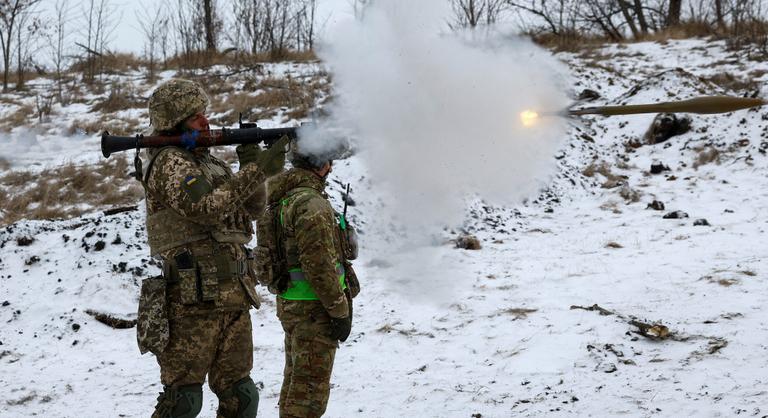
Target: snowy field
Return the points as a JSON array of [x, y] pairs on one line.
[[505, 339]]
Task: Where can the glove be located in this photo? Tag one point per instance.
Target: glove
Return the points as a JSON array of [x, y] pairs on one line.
[[271, 160], [340, 328]]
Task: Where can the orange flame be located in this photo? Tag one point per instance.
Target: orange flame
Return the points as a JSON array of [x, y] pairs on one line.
[[528, 118]]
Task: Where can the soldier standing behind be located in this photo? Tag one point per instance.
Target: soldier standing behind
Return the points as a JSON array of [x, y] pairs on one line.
[[312, 277], [195, 318]]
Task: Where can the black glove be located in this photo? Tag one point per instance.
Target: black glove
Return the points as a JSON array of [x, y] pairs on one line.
[[271, 160], [340, 328]]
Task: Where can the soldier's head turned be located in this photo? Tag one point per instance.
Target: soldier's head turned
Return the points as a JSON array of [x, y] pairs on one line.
[[311, 159], [178, 105]]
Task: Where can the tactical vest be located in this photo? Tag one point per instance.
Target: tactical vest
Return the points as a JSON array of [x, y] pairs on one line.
[[210, 274], [167, 230]]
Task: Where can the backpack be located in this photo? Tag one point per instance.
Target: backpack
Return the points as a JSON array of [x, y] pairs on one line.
[[270, 264]]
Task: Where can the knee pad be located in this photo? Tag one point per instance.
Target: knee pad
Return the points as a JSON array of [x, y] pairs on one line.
[[179, 402], [247, 397]]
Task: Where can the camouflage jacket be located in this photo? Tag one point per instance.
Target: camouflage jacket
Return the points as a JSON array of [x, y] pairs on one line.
[[309, 221], [199, 192]]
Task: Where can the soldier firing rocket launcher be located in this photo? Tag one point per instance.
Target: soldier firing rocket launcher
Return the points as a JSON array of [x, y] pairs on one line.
[[700, 105], [250, 135]]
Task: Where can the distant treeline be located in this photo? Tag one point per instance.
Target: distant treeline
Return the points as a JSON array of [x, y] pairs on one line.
[[184, 34]]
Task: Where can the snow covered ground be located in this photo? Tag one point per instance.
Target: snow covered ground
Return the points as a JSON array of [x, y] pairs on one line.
[[505, 340]]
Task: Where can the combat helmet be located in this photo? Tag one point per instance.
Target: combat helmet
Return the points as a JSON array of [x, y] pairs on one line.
[[174, 101], [311, 158]]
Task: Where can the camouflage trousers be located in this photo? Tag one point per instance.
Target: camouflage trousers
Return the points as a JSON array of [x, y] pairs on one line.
[[217, 344], [309, 354]]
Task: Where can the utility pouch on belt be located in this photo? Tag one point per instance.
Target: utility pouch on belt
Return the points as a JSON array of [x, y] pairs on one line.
[[152, 329], [187, 276]]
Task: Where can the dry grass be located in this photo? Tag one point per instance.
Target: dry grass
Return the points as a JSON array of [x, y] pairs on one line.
[[734, 83], [570, 41], [115, 126], [294, 96], [113, 63], [121, 96], [232, 58], [67, 191], [604, 169], [20, 117], [706, 155]]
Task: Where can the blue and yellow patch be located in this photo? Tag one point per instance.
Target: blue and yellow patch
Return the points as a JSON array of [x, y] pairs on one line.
[[196, 187]]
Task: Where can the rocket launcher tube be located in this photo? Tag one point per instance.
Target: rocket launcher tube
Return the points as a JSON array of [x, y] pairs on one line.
[[701, 105], [112, 143]]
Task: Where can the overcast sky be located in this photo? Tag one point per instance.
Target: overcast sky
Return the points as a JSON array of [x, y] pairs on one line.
[[128, 37]]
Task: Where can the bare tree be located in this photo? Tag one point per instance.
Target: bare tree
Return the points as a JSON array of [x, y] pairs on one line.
[[209, 23], [673, 14], [640, 13], [719, 15], [559, 16], [10, 13], [97, 27], [471, 13], [154, 22], [306, 24], [31, 26], [56, 41]]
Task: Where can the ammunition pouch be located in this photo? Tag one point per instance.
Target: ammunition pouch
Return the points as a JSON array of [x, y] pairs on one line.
[[210, 277], [152, 327], [351, 277], [348, 238]]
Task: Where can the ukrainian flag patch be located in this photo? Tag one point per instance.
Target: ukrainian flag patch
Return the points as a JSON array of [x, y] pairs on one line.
[[195, 187]]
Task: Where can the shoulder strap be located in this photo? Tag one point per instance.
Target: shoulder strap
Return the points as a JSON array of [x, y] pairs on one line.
[[151, 163], [289, 196]]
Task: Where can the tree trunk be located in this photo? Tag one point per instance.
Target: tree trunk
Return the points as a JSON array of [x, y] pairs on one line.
[[19, 60], [210, 39], [673, 15], [719, 14], [641, 16], [628, 18]]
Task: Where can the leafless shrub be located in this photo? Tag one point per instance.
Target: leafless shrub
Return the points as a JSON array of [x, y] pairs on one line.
[[604, 169], [705, 156], [468, 242], [629, 194], [734, 83], [43, 104]]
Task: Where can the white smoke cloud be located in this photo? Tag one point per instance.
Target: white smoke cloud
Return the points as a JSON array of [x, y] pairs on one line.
[[436, 114]]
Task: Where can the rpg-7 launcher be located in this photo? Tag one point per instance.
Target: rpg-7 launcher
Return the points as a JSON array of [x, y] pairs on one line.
[[248, 133]]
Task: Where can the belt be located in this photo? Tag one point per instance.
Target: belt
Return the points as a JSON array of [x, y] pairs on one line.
[[224, 270]]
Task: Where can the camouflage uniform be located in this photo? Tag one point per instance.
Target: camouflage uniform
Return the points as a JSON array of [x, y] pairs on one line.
[[197, 224], [311, 243]]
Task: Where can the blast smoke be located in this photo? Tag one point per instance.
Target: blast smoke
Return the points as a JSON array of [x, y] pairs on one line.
[[436, 115]]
